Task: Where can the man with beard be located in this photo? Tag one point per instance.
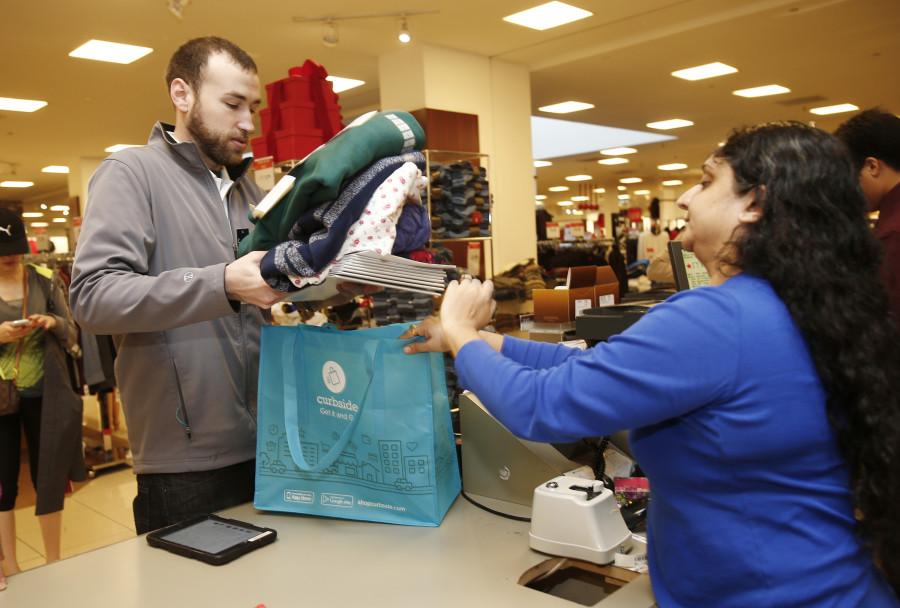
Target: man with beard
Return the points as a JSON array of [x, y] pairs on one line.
[[155, 267]]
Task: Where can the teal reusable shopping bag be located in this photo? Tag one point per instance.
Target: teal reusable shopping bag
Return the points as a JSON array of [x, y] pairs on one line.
[[351, 427]]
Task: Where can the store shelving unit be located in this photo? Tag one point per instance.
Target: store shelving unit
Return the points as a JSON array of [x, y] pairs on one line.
[[480, 183]]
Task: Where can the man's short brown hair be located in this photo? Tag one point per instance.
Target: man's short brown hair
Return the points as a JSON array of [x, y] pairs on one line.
[[191, 58]]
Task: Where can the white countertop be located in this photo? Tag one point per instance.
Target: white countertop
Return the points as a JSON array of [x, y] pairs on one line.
[[473, 559]]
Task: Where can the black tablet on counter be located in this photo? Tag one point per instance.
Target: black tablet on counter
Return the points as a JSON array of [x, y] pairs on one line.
[[211, 539]]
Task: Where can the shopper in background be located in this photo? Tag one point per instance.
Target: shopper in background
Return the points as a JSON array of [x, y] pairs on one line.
[[36, 393], [873, 138], [763, 408], [155, 267]]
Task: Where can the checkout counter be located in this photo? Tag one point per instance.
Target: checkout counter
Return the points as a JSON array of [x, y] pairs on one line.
[[473, 559]]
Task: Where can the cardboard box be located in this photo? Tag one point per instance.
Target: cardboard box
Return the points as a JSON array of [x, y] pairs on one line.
[[586, 287]]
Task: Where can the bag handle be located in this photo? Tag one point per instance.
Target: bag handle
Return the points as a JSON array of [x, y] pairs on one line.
[[293, 385]]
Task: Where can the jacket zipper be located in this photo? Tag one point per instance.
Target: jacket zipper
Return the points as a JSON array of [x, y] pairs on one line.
[[234, 247]]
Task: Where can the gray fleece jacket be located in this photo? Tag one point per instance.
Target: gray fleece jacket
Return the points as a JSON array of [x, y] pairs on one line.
[[150, 270]]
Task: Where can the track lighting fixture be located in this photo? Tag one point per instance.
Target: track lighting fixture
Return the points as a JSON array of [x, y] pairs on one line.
[[404, 36], [330, 37]]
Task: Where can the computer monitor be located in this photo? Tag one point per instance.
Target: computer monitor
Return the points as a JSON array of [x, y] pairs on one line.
[[687, 270]]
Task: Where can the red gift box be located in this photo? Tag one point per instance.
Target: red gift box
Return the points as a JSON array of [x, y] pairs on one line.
[[296, 145], [297, 116]]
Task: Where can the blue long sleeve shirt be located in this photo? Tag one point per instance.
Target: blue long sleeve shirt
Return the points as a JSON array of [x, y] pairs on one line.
[[750, 499]]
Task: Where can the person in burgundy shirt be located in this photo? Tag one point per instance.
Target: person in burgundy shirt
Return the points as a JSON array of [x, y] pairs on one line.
[[873, 139]]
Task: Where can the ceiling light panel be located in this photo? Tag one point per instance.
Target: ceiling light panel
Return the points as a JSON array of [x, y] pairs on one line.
[[630, 180], [60, 220], [548, 15], [672, 182], [579, 199], [112, 52], [763, 91], [618, 151], [564, 204], [11, 104], [578, 178], [55, 169], [672, 167], [600, 190], [701, 72], [32, 214], [566, 107], [837, 109], [16, 184], [617, 160], [672, 123], [642, 192], [558, 188], [341, 84], [59, 208], [540, 197], [542, 163]]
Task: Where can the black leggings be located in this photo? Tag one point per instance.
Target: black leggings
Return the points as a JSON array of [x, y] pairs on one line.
[[11, 425]]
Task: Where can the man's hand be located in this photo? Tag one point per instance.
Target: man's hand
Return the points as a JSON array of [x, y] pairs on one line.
[[244, 282]]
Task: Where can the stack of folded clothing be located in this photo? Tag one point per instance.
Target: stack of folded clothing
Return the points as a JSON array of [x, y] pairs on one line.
[[460, 201], [393, 306], [361, 191]]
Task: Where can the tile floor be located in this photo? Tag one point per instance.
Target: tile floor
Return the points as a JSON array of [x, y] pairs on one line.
[[97, 514]]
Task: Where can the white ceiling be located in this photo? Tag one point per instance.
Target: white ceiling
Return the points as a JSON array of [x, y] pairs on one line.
[[620, 60]]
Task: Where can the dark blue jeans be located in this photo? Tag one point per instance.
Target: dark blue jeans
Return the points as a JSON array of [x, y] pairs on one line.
[[168, 498]]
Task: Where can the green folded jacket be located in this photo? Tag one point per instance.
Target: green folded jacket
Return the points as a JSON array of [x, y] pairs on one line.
[[320, 177]]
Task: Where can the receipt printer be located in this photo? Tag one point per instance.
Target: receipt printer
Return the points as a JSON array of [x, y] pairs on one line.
[[576, 517]]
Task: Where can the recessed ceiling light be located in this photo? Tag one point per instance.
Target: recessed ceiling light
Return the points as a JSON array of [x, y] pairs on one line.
[[621, 188], [568, 212], [566, 107], [578, 199], [540, 197], [630, 180], [558, 188], [113, 52], [65, 213], [672, 167], [672, 182], [564, 203], [599, 190], [578, 178], [119, 147], [32, 214], [340, 84], [15, 184], [642, 192], [39, 224], [618, 151], [43, 205], [841, 107], [12, 104], [542, 163], [623, 197], [577, 212], [618, 160], [763, 91], [709, 70], [59, 208], [548, 15], [55, 169], [60, 220], [673, 123]]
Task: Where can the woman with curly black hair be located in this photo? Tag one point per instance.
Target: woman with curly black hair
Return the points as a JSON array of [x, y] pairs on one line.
[[765, 408]]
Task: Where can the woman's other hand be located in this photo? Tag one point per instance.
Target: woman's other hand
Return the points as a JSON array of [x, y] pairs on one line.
[[429, 329], [46, 322]]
